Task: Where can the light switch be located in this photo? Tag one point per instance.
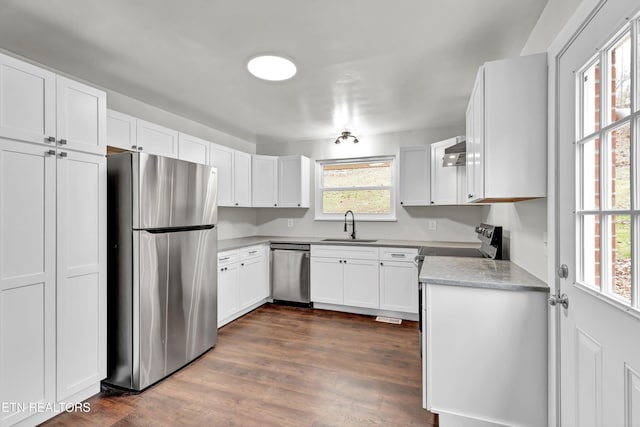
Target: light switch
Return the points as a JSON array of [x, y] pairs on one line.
[[290, 223], [432, 225]]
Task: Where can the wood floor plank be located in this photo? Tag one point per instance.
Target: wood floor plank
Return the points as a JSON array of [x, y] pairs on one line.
[[284, 366]]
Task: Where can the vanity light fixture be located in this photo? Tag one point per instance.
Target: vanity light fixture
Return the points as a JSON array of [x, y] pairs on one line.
[[272, 68], [346, 135]]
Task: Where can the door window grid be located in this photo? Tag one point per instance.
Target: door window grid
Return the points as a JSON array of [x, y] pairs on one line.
[[607, 214]]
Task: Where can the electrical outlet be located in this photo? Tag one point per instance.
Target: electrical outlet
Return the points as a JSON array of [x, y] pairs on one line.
[[290, 223], [432, 225]]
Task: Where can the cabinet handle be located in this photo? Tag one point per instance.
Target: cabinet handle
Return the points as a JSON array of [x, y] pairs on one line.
[[345, 261], [236, 204], [63, 154], [469, 196], [252, 252], [402, 203], [275, 204], [50, 153], [398, 255], [340, 261], [135, 147], [140, 148], [50, 139], [223, 259], [298, 204], [62, 142], [242, 264], [381, 264], [432, 202]]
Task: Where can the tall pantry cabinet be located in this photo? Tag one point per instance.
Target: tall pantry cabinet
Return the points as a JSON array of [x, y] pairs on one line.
[[52, 240]]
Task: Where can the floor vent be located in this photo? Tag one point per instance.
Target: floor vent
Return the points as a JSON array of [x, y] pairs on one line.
[[389, 320]]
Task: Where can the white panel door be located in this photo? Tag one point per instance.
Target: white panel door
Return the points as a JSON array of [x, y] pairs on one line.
[[242, 178], [361, 283], [293, 182], [475, 141], [121, 130], [443, 178], [27, 102], [599, 349], [156, 139], [327, 280], [193, 149], [252, 281], [27, 276], [399, 286], [81, 273], [81, 116], [414, 176], [264, 181], [221, 157], [228, 291]]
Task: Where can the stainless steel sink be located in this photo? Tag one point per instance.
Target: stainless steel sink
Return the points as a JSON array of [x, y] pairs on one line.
[[349, 240]]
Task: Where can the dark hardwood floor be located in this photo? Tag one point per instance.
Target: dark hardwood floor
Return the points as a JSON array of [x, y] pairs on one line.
[[284, 366]]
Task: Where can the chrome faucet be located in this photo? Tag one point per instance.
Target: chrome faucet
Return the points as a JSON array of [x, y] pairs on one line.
[[353, 223]]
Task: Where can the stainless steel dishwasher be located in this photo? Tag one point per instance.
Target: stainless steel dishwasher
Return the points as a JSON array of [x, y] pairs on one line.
[[290, 274]]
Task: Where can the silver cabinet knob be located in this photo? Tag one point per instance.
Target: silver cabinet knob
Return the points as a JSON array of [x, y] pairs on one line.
[[134, 147], [62, 142], [50, 139], [50, 153], [140, 148], [63, 154]]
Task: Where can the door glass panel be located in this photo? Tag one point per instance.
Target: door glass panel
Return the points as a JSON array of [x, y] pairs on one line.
[[620, 78], [590, 236], [619, 168], [591, 99], [590, 169], [618, 252]]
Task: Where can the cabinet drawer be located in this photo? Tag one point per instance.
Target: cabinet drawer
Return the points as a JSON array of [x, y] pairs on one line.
[[398, 254], [227, 257], [252, 251], [351, 252]]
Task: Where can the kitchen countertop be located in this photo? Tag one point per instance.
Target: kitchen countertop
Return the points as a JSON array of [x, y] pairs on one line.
[[229, 244], [479, 273]]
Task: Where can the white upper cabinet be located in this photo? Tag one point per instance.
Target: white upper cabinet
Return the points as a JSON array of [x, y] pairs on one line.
[[241, 178], [193, 149], [414, 176], [293, 181], [81, 117], [264, 176], [27, 101], [507, 131], [222, 158], [121, 130], [444, 179], [156, 139]]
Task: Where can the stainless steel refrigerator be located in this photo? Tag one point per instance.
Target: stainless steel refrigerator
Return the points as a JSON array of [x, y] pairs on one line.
[[162, 266]]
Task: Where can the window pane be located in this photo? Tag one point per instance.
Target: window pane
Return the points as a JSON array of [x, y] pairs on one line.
[[590, 168], [619, 171], [591, 100], [349, 175], [619, 255], [359, 201], [590, 243], [620, 77]]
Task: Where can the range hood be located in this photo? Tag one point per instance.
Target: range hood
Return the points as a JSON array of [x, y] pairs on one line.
[[456, 155]]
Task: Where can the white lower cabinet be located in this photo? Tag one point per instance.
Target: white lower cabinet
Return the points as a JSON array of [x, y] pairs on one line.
[[399, 286], [243, 281], [52, 205], [327, 283], [361, 283]]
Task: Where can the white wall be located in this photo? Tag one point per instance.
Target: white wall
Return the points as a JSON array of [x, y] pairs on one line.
[[525, 223], [453, 223]]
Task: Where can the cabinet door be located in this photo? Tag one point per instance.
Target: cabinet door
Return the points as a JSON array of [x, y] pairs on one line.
[[27, 276], [414, 176], [443, 178], [399, 286], [293, 181], [327, 280], [81, 273], [252, 281], [27, 102], [158, 140], [361, 283], [121, 131], [193, 149], [241, 178], [221, 157], [475, 141], [81, 116], [264, 181], [228, 291]]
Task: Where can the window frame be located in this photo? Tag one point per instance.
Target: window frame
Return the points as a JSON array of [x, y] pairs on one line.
[[606, 128], [319, 215]]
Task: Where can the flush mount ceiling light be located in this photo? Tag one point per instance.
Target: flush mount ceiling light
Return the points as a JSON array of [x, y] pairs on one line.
[[272, 68], [346, 135]]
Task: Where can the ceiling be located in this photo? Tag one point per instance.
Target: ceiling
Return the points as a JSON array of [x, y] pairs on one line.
[[370, 66]]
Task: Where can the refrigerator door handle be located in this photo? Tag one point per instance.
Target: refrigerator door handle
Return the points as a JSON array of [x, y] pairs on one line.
[[178, 229]]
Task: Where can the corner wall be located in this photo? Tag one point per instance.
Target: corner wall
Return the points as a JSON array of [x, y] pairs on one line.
[[454, 223]]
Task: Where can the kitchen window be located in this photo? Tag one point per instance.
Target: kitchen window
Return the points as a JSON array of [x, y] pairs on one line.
[[608, 205], [364, 185]]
